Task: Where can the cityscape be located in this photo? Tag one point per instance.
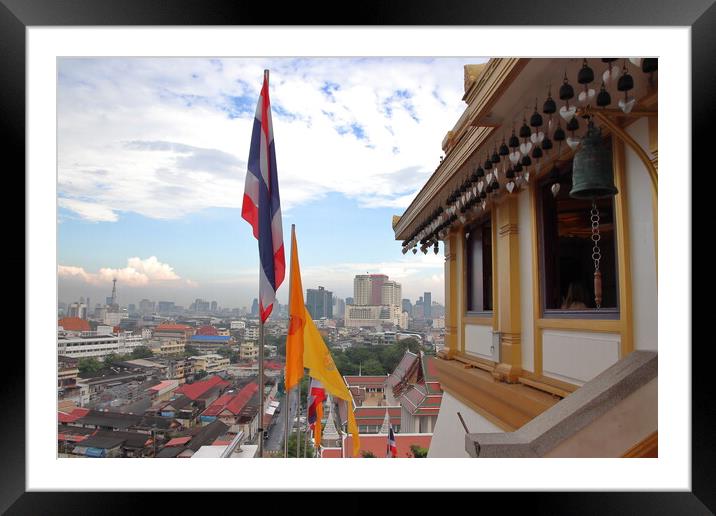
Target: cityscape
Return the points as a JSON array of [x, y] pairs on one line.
[[476, 279], [154, 379]]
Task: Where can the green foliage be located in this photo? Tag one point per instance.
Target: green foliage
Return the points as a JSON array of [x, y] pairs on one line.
[[367, 454], [309, 453], [190, 351], [373, 360], [89, 365], [418, 451], [141, 352], [199, 375]]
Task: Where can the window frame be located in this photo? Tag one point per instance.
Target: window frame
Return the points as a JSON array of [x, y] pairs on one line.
[[611, 314], [479, 223]]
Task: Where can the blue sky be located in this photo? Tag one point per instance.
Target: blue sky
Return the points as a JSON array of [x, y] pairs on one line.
[[152, 158]]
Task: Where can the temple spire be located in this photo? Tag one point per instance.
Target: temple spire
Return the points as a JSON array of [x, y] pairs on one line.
[[386, 422]]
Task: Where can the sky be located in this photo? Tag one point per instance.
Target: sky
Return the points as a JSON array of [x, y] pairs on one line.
[[152, 157]]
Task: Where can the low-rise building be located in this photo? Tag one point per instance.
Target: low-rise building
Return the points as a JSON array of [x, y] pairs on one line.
[[210, 343], [212, 363], [249, 350]]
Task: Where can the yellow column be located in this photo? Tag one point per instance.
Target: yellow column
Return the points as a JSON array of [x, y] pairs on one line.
[[452, 304], [508, 290]]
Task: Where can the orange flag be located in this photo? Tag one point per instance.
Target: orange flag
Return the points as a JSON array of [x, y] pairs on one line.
[[297, 311]]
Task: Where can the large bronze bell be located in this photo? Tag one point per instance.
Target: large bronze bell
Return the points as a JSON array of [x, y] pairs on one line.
[[592, 173]]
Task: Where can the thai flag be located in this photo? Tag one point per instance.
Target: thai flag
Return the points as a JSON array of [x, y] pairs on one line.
[[392, 446], [261, 206], [316, 396]]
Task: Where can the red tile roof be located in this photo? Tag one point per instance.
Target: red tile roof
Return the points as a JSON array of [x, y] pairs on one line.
[[173, 327], [365, 380], [77, 413], [178, 441], [376, 415], [74, 324], [196, 389], [234, 403], [378, 444], [207, 330]]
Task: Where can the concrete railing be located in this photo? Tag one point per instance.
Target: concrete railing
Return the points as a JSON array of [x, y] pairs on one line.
[[610, 401]]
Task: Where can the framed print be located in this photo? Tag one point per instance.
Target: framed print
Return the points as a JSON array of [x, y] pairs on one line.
[[497, 135]]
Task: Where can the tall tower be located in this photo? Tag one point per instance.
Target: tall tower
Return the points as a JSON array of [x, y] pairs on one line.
[[113, 305]]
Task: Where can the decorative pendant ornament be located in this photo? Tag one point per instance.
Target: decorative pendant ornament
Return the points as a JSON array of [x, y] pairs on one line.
[[514, 156], [573, 141], [649, 65], [585, 77], [536, 118], [488, 178], [610, 74], [525, 134], [510, 186], [626, 84], [554, 177], [483, 203], [415, 250], [636, 61], [495, 157], [504, 150], [549, 108], [603, 99], [566, 91]]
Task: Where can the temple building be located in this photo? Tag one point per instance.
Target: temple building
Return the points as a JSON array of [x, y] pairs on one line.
[[545, 204]]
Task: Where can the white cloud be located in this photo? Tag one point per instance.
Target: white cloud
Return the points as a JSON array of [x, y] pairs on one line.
[[138, 272], [168, 137], [88, 210]]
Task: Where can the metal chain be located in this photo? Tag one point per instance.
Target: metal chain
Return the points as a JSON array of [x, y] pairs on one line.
[[596, 237]]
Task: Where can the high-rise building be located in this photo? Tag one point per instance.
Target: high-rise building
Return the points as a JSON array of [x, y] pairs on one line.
[[427, 305], [146, 306], [255, 307], [131, 308], [349, 301], [165, 307], [407, 306], [368, 289], [319, 303], [339, 307], [391, 294], [214, 306]]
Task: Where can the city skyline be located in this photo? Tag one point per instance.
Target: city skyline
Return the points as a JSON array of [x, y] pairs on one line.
[[157, 204]]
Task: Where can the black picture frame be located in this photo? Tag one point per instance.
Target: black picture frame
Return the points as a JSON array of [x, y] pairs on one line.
[[17, 15]]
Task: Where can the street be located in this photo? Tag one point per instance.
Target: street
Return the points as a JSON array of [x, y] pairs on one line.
[[276, 430]]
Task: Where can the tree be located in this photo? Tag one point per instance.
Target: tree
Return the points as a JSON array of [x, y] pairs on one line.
[[372, 366], [367, 454], [309, 453], [418, 451], [142, 352], [190, 351], [89, 365]]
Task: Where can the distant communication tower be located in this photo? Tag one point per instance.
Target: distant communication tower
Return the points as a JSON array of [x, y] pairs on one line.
[[114, 291]]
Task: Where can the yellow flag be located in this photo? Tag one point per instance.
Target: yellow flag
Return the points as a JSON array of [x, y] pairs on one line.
[[297, 309], [317, 358]]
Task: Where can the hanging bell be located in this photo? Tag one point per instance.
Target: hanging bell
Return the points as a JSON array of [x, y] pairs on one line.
[[536, 119], [550, 106], [603, 98], [649, 65], [586, 74], [592, 173], [566, 91], [546, 144], [504, 151], [514, 141], [626, 81]]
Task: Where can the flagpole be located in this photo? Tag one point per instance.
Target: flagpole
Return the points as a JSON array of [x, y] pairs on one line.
[[261, 386], [287, 408], [298, 421]]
